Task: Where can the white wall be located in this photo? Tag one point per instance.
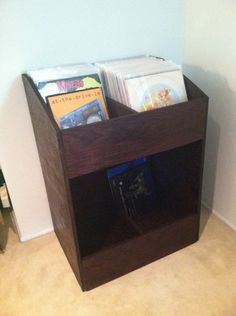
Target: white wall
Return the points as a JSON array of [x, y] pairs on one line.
[[210, 60], [40, 33]]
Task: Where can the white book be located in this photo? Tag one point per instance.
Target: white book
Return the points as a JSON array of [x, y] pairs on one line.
[[155, 91]]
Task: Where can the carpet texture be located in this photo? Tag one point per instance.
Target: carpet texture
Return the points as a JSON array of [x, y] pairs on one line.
[[36, 279]]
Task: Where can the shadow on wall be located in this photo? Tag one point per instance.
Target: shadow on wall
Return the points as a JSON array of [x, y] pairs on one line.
[[11, 140], [210, 166], [5, 226], [6, 214], [19, 159], [221, 111]]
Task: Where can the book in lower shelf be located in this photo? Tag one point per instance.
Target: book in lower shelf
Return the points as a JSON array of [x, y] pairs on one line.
[[132, 187]]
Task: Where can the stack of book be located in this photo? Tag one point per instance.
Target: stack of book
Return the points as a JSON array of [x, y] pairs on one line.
[[143, 83], [74, 94]]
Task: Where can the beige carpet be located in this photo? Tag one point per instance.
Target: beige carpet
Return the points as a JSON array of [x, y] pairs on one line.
[[200, 280]]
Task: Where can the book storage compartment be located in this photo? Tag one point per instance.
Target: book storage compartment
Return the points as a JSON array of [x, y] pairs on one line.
[[99, 242], [102, 225]]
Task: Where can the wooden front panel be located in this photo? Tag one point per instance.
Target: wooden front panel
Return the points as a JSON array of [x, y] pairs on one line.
[[114, 262], [96, 146], [56, 186]]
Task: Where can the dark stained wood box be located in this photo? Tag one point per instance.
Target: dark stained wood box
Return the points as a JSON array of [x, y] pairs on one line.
[[99, 243]]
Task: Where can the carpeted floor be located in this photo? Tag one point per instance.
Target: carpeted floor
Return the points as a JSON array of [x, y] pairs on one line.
[[200, 280]]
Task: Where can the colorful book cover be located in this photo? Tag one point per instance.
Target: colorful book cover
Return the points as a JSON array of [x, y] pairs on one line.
[[59, 86], [80, 106], [155, 91], [132, 187]]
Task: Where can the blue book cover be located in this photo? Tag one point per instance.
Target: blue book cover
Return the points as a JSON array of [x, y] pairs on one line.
[[132, 187]]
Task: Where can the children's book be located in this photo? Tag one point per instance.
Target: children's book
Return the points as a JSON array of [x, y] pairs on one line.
[[155, 91]]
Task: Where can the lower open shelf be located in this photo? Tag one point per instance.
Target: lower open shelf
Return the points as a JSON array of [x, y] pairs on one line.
[[101, 227]]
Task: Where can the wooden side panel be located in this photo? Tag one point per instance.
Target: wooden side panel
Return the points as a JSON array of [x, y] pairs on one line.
[[57, 189], [96, 146], [193, 92], [128, 256]]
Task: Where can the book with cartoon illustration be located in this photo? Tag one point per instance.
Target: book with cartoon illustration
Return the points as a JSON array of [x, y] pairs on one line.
[[156, 91]]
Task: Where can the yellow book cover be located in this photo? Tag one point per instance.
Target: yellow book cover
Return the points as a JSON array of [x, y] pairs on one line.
[[78, 108]]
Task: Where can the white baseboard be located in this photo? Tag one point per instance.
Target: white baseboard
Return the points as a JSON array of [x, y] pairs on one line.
[[50, 229], [220, 216], [35, 235]]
